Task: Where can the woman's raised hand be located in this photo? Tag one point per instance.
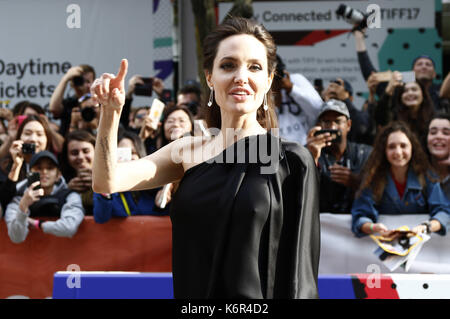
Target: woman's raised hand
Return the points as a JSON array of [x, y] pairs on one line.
[[109, 89]]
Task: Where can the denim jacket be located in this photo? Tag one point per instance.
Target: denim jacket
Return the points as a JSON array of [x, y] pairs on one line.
[[416, 200]]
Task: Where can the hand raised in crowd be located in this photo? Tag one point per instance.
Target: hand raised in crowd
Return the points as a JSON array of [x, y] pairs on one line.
[[316, 143], [109, 89], [136, 79], [30, 196], [73, 72], [372, 83], [147, 128], [158, 85], [343, 175], [6, 114], [395, 81], [16, 153], [336, 91]]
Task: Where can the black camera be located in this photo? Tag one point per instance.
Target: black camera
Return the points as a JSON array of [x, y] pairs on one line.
[[88, 113], [78, 81], [28, 148], [353, 16]]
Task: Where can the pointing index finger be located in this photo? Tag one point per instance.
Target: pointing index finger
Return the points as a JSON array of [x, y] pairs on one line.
[[122, 70]]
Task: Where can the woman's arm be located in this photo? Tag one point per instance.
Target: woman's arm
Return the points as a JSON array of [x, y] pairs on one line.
[[109, 176]]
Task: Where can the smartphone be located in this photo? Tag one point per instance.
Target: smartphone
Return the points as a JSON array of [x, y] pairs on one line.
[[409, 76], [145, 89], [33, 177], [384, 76], [337, 132], [156, 111]]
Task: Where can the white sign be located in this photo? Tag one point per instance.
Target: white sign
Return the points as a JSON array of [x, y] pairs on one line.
[[321, 15], [41, 40]]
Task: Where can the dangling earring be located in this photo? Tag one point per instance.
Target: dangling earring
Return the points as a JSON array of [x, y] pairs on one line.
[[211, 97], [265, 106]]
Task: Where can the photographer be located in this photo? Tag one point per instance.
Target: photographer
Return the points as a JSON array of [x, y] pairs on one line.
[[76, 165], [363, 126], [339, 161], [423, 67], [139, 85], [46, 197], [297, 103], [86, 115], [33, 135], [190, 96], [80, 79]]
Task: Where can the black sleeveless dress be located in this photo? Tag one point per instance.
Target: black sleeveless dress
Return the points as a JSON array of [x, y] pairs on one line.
[[245, 227]]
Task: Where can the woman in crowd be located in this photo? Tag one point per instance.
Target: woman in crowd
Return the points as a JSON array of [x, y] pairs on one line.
[[177, 122], [408, 102], [438, 142], [397, 180], [77, 159], [240, 228], [33, 136], [127, 203]]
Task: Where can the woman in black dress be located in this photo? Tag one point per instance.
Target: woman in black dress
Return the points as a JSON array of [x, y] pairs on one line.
[[245, 216]]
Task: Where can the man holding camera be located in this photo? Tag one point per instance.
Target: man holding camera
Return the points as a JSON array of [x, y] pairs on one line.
[[297, 103], [85, 116], [44, 194], [80, 79], [338, 160]]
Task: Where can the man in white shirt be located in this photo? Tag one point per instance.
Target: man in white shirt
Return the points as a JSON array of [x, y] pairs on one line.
[[298, 104]]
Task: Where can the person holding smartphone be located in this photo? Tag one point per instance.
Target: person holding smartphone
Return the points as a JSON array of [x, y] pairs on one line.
[[339, 161], [43, 194]]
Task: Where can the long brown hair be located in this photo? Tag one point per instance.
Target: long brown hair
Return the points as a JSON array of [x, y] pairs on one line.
[[419, 122], [377, 167], [43, 122], [235, 26]]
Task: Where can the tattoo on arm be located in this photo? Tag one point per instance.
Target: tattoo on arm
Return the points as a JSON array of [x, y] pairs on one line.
[[104, 145]]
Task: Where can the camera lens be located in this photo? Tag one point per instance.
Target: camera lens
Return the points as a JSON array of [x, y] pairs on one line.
[[78, 81], [88, 113]]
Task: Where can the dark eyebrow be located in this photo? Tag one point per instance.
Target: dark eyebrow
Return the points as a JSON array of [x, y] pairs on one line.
[[234, 59]]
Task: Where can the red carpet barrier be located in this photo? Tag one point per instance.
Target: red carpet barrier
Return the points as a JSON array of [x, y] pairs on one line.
[[138, 243]]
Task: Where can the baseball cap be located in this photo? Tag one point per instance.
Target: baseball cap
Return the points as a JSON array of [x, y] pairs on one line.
[[43, 154], [423, 56], [336, 106]]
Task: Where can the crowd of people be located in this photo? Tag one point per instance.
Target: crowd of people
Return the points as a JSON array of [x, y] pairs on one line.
[[61, 152], [388, 156]]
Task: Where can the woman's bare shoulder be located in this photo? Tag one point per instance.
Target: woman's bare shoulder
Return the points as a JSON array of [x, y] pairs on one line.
[[191, 150]]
